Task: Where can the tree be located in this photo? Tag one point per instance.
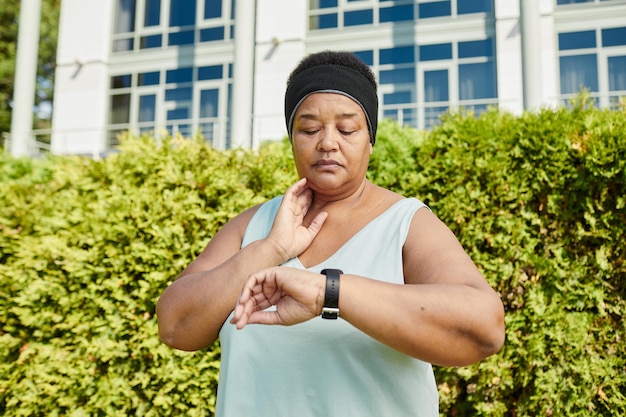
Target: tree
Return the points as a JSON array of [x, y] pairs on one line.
[[9, 19]]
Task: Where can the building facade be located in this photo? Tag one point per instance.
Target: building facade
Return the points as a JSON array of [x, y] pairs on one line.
[[217, 68]]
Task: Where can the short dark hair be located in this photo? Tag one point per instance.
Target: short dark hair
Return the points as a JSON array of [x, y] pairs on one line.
[[344, 58]]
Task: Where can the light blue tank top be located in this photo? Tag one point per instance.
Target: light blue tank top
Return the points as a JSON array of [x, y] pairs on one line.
[[327, 368]]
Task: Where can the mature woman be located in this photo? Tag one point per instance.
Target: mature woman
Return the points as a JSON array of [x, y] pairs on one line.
[[362, 288]]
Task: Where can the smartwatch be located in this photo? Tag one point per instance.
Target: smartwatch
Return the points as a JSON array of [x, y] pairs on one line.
[[331, 298]]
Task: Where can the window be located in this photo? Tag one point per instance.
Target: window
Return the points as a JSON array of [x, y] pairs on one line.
[[337, 14], [144, 25], [595, 60]]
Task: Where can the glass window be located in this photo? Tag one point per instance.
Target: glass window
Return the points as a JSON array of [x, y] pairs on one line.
[[209, 103], [559, 2], [323, 21], [212, 9], [120, 108], [577, 40], [477, 81], [396, 13], [399, 55], [180, 75], [152, 41], [212, 34], [436, 52], [358, 17], [436, 86], [476, 48], [123, 45], [179, 94], [366, 56], [397, 76], [322, 4], [152, 15], [149, 78], [401, 97], [181, 38], [617, 73], [578, 71], [182, 12], [121, 81], [124, 16], [213, 72], [614, 36], [147, 108], [474, 6], [435, 9]]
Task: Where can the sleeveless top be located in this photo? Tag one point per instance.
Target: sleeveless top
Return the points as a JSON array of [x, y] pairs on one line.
[[327, 368]]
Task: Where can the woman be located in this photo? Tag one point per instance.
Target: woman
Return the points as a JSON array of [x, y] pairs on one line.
[[335, 245]]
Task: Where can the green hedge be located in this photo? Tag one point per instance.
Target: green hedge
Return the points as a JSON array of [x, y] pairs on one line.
[[87, 246]]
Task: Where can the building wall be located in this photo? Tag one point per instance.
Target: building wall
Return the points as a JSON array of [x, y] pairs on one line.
[[82, 80], [279, 39]]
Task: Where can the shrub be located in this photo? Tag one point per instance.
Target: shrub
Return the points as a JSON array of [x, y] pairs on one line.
[[87, 246]]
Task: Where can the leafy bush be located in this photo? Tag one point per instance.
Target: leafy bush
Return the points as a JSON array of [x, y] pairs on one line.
[[87, 246]]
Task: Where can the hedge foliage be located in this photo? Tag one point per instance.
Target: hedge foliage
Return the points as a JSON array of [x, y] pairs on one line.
[[87, 246]]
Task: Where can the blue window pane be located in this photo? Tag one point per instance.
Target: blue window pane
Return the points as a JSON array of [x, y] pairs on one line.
[[358, 17], [181, 38], [614, 36], [209, 100], [324, 21], [212, 34], [124, 16], [559, 2], [182, 12], [212, 9], [149, 78], [617, 73], [577, 72], [436, 52], [396, 13], [436, 86], [213, 72], [476, 48], [474, 6], [180, 75], [121, 81], [477, 81], [577, 40], [435, 9], [399, 55], [152, 41], [152, 16], [323, 4], [178, 94], [397, 76], [147, 108], [366, 56], [401, 97]]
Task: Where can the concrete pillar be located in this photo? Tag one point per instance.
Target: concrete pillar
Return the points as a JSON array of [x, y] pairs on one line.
[[25, 78], [243, 74], [530, 25]]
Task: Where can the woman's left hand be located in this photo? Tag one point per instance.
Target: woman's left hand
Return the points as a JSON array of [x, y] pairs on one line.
[[297, 294]]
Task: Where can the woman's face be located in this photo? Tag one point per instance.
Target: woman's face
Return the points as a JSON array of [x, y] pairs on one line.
[[331, 143]]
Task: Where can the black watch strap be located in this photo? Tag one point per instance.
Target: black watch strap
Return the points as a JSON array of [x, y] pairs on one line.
[[331, 298]]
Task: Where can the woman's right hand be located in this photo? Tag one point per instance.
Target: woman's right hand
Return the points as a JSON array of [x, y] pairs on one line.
[[289, 233]]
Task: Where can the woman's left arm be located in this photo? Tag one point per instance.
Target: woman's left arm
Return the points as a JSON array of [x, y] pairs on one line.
[[446, 313]]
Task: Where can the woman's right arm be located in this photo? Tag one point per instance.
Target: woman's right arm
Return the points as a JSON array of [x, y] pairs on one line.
[[192, 310]]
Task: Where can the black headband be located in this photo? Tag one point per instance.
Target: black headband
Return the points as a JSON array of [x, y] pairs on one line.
[[333, 79]]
